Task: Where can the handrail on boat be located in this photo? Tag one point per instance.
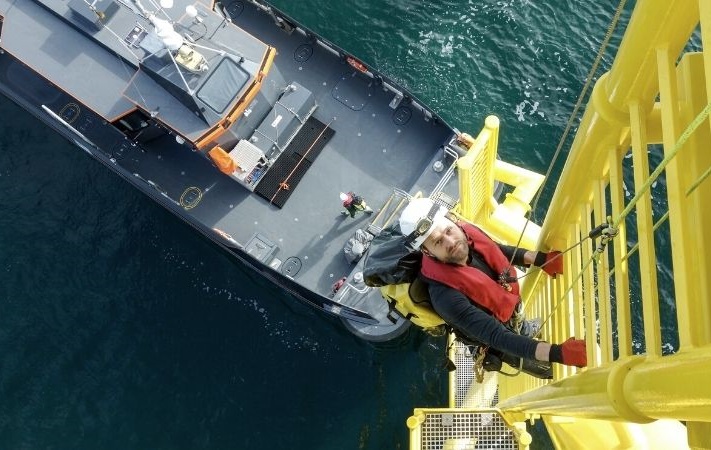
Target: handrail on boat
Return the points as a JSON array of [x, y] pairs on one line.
[[374, 228]]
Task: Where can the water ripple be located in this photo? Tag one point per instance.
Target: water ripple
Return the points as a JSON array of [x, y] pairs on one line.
[[120, 328]]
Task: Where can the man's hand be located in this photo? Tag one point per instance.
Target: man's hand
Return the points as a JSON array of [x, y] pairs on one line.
[[552, 264], [571, 353]]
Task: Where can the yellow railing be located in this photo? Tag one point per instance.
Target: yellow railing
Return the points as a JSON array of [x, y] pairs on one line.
[[654, 97], [634, 393], [478, 171]]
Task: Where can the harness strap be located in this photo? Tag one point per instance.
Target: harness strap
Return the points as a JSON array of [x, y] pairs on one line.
[[392, 309]]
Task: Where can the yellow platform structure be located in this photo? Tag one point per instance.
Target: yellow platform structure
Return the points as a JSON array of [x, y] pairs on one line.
[[633, 395]]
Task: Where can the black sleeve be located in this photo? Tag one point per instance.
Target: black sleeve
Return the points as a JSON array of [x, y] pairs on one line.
[[475, 323], [517, 252]]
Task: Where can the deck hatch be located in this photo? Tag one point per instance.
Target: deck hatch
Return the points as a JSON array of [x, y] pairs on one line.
[[261, 248], [353, 90]]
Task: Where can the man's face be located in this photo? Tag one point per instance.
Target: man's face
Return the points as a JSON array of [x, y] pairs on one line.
[[447, 243]]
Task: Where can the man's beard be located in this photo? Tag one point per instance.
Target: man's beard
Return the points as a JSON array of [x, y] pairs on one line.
[[460, 253]]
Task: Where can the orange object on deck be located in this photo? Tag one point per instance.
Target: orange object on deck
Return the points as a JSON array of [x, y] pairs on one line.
[[222, 160]]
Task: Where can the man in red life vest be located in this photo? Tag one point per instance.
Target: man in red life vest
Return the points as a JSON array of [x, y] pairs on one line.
[[474, 289]]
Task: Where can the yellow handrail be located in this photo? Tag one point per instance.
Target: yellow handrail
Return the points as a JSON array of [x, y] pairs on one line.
[[478, 170], [637, 389], [652, 92]]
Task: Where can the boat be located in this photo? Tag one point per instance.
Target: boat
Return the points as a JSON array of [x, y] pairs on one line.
[[243, 123]]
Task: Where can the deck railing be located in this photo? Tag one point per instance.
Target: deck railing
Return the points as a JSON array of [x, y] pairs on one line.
[[478, 172]]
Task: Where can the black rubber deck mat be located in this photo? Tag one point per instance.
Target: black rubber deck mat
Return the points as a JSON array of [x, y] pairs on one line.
[[277, 185], [313, 132]]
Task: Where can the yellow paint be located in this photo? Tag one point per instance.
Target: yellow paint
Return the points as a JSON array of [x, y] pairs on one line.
[[478, 171], [632, 394]]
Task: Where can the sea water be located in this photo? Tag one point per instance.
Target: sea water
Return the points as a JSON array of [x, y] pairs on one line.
[[121, 328]]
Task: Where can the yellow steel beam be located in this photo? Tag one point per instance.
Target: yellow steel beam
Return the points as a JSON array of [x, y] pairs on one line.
[[621, 111], [693, 301], [622, 282], [645, 235], [654, 23], [590, 313], [631, 78], [593, 434], [674, 386], [594, 393], [636, 389], [602, 271], [705, 26]]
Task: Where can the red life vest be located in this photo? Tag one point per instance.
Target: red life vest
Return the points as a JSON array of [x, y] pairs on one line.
[[475, 284]]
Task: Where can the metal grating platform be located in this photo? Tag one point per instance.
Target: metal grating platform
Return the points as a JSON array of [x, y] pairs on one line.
[[471, 423], [467, 392], [466, 430]]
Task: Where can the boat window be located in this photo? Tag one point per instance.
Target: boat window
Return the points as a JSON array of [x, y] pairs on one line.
[[223, 85]]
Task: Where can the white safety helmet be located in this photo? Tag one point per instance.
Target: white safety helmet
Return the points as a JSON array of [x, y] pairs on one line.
[[343, 196], [419, 219]]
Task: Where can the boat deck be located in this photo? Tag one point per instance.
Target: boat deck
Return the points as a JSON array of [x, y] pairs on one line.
[[378, 142], [369, 153]]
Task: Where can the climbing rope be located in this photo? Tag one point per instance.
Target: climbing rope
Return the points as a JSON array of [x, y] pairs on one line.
[[583, 94]]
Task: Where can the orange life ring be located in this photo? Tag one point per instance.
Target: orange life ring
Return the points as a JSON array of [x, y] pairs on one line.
[[357, 65]]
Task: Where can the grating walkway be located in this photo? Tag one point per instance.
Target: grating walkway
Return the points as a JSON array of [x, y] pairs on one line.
[[466, 430], [471, 422], [468, 393]]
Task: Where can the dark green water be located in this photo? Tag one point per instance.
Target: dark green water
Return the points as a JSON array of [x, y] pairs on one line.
[[120, 328]]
